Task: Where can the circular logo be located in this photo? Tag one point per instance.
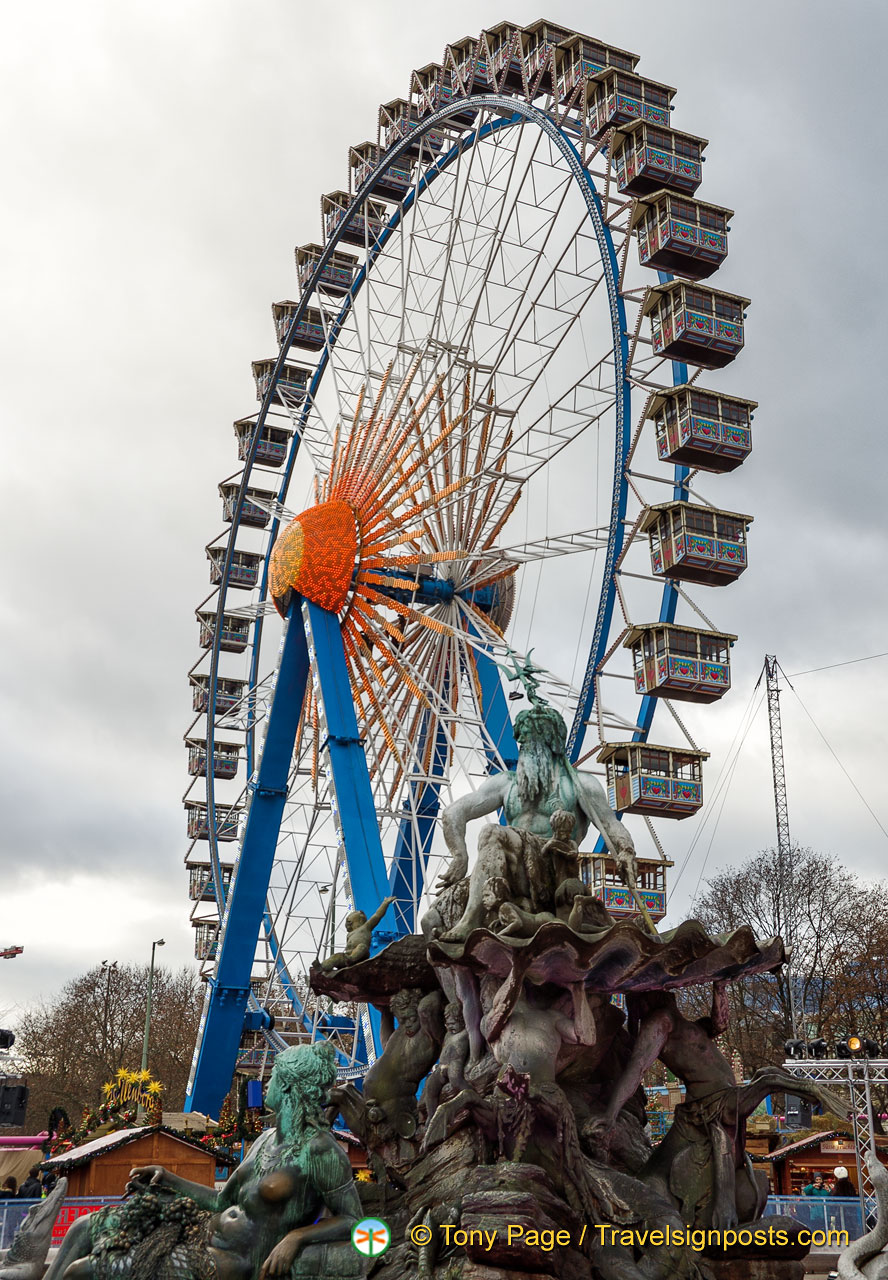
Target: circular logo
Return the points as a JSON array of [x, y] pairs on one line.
[[371, 1237]]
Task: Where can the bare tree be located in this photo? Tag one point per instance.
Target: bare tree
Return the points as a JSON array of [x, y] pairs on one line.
[[839, 927], [76, 1042]]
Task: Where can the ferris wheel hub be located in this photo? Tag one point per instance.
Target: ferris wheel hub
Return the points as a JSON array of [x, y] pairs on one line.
[[315, 556]]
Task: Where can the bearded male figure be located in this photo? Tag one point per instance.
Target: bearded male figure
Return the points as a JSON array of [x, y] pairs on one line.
[[543, 782]]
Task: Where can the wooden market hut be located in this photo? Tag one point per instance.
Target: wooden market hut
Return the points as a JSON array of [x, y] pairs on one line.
[[101, 1167], [793, 1166]]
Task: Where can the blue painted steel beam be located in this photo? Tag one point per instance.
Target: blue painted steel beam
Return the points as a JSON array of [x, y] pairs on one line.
[[228, 990], [354, 813], [495, 713]]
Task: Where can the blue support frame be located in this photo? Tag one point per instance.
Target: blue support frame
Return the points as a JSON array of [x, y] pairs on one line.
[[495, 711], [228, 990], [354, 813]]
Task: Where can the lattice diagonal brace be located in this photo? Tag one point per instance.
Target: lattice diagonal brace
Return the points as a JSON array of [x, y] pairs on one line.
[[784, 845], [858, 1075]]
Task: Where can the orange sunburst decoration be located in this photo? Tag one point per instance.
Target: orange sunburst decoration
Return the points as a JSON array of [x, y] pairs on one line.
[[315, 555], [413, 488]]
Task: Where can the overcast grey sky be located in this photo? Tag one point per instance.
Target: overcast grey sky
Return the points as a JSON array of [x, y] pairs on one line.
[[162, 161]]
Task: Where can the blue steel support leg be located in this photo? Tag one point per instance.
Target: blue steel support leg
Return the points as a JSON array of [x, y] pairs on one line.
[[354, 812], [495, 712], [229, 988]]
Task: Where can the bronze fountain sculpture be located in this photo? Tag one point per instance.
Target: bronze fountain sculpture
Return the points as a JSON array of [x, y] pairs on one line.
[[525, 1156], [531, 1121]]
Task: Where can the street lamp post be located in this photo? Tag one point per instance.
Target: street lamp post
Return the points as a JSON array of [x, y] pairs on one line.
[[154, 945], [108, 968]]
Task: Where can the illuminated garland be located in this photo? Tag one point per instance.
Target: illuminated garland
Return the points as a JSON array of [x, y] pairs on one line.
[[121, 1099]]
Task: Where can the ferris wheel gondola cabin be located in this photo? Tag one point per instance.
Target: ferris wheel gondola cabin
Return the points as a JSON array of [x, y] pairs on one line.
[[309, 333], [271, 451], [206, 939], [698, 428], [235, 633], [226, 758], [655, 781], [243, 571], [577, 58], [539, 41], [392, 184], [400, 118], [229, 693], [615, 98], [678, 234], [200, 879], [695, 323], [468, 65], [676, 661], [506, 53], [365, 225], [337, 275], [227, 821], [425, 88], [649, 157], [695, 543], [293, 381], [435, 86], [602, 874], [253, 512]]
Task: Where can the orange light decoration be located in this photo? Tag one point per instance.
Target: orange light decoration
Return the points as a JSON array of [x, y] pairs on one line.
[[315, 555], [412, 484]]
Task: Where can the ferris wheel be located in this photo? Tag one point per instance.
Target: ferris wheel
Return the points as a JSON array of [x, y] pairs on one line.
[[480, 437]]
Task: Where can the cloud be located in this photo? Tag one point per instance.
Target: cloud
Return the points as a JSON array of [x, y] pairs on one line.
[[166, 160]]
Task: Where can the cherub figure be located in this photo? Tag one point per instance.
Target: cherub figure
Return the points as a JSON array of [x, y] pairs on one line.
[[562, 851], [387, 1109], [451, 1065], [359, 931]]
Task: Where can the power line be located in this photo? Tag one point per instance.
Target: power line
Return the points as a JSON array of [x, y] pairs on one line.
[[849, 663], [724, 798], [859, 793], [723, 781]]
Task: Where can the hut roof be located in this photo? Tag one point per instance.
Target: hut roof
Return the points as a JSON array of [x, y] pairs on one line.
[[119, 1138], [814, 1140]]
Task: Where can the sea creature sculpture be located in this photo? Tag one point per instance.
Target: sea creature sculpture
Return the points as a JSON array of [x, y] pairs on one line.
[[26, 1259]]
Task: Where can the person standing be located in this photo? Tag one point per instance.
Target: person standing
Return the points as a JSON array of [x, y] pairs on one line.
[[816, 1188], [32, 1187], [843, 1184]]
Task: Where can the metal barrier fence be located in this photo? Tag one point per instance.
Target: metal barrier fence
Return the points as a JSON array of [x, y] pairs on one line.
[[825, 1213], [14, 1212], [818, 1213]]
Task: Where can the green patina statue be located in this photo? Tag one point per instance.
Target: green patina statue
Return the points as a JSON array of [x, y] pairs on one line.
[[288, 1210]]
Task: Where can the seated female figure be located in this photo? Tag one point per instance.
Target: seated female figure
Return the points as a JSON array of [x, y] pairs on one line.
[[266, 1221]]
